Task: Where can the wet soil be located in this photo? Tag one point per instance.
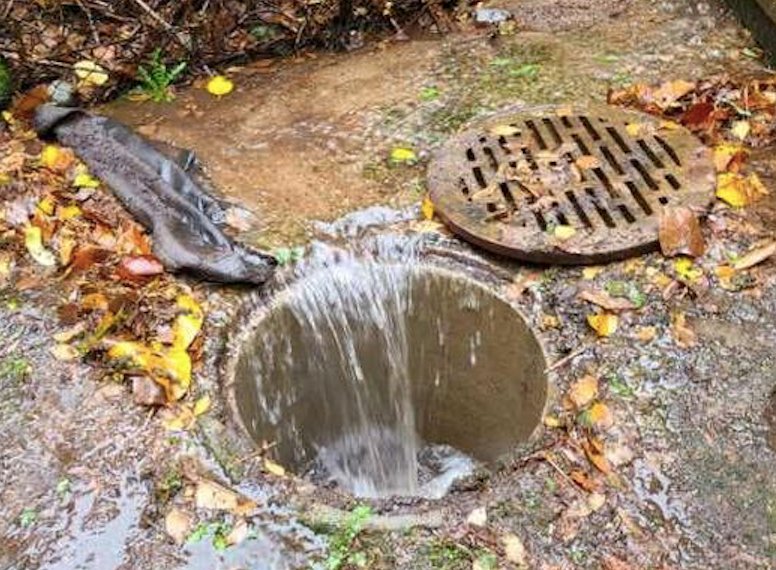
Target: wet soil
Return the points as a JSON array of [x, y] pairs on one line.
[[86, 476]]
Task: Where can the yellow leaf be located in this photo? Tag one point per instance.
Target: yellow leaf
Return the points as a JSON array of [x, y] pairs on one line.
[[591, 272], [68, 212], [33, 241], [583, 391], [90, 73], [669, 126], [220, 86], [403, 155], [741, 129], [504, 130], [563, 232], [737, 190], [47, 205], [427, 208], [605, 324], [66, 247], [173, 364], [85, 180], [639, 129], [202, 405], [64, 352], [274, 468], [187, 326], [725, 274], [55, 158], [686, 269], [726, 156], [599, 416], [552, 421]]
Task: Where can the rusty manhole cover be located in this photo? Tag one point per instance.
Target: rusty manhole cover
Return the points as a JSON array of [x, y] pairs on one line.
[[568, 185]]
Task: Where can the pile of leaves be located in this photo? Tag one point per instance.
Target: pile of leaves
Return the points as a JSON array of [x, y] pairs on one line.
[[62, 235], [41, 38], [730, 114]]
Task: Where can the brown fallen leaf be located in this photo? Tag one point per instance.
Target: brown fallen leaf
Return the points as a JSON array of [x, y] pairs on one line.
[[139, 267], [583, 391], [680, 233], [754, 256], [670, 92], [588, 162], [605, 300], [594, 453], [212, 495], [646, 334], [683, 334], [583, 480], [177, 523]]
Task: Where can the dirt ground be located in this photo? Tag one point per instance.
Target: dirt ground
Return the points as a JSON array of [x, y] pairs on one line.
[[87, 477]]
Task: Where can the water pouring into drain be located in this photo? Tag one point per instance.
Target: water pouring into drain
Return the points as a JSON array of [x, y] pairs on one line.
[[388, 378]]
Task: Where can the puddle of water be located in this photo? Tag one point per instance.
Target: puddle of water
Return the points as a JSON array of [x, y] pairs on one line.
[[389, 378]]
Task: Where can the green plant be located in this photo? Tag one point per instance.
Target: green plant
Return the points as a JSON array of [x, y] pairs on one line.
[[14, 368], [217, 530], [341, 542], [448, 556], [155, 80], [6, 85]]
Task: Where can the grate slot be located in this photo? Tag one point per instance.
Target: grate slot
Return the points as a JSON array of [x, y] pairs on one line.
[[561, 217], [502, 142], [566, 122], [530, 158], [605, 216], [491, 158], [645, 174], [537, 135], [648, 151], [617, 138], [464, 187], [671, 179], [470, 155], [640, 200], [669, 150], [550, 126], [581, 144], [601, 175], [507, 193], [663, 200], [570, 159], [626, 213], [479, 177], [529, 197], [581, 214], [589, 128], [612, 160], [541, 221]]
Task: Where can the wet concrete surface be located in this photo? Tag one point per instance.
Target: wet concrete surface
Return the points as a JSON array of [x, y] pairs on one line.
[[693, 483]]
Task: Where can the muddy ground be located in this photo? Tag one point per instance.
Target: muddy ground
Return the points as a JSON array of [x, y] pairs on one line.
[[87, 476]]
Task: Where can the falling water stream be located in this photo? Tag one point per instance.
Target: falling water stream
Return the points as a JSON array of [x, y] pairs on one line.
[[369, 372]]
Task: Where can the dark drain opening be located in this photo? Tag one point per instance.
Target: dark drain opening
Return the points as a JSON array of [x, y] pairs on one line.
[[388, 378]]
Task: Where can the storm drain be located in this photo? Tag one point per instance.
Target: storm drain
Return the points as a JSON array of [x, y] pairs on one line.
[[568, 185]]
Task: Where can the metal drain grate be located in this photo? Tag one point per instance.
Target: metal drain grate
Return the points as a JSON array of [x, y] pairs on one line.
[[515, 184]]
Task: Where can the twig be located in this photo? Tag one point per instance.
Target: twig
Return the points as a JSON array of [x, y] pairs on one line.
[[566, 359], [150, 11], [563, 474]]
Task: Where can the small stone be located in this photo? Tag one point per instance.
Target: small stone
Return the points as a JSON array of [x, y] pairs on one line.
[[177, 523], [514, 549], [478, 517], [146, 392], [491, 16]]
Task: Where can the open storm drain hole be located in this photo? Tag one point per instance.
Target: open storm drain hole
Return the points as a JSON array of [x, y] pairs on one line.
[[389, 380], [568, 185]]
